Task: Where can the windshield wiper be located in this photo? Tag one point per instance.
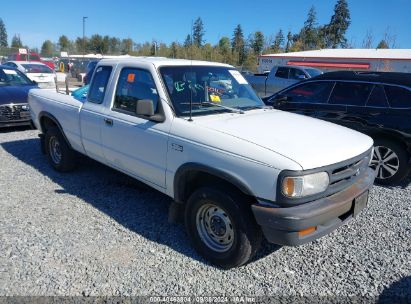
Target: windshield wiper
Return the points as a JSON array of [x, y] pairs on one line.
[[224, 107]]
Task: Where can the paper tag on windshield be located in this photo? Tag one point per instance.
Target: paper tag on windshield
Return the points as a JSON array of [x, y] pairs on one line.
[[237, 75], [10, 72]]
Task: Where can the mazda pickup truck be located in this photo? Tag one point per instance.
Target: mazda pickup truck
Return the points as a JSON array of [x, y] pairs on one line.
[[236, 170]]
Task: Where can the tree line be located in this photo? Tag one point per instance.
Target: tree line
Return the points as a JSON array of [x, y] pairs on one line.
[[237, 50]]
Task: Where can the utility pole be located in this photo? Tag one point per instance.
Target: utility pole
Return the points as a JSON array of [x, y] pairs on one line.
[[84, 34]]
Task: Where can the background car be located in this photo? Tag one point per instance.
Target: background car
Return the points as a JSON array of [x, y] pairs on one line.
[[36, 71], [279, 78], [378, 104], [14, 88], [31, 56]]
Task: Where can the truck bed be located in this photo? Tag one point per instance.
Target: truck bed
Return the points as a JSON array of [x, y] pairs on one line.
[[64, 108]]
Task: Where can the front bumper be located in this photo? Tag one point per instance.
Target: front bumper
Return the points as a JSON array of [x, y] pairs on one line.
[[12, 115], [283, 225]]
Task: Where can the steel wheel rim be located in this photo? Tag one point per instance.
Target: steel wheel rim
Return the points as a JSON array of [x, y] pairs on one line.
[[385, 162], [215, 228], [55, 151]]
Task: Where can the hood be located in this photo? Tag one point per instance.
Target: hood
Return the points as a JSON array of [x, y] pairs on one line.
[[310, 142], [14, 94]]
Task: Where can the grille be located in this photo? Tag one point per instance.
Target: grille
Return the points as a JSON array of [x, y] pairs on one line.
[[346, 175], [13, 112]]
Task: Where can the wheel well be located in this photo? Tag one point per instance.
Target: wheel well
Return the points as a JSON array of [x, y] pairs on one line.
[[392, 137], [191, 180], [46, 123]]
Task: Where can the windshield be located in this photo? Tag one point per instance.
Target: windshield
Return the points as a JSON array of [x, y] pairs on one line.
[[10, 77], [36, 68], [212, 90], [313, 72]]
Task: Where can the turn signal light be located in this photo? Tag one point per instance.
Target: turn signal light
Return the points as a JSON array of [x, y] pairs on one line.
[[307, 231]]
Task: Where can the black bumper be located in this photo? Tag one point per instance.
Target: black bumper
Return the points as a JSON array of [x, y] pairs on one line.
[[282, 225], [15, 123]]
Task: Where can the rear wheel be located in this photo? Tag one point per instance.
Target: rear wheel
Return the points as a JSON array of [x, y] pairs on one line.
[[60, 155], [221, 227], [390, 162]]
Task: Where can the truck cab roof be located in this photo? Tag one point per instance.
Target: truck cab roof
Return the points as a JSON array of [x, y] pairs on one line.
[[162, 61]]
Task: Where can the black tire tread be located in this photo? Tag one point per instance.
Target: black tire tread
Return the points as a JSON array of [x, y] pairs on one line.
[[249, 235], [68, 160]]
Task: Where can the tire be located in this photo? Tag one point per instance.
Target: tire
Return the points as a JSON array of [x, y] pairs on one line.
[[390, 161], [232, 238], [61, 157]]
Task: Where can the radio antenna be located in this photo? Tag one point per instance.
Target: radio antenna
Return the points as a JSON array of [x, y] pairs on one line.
[[191, 70]]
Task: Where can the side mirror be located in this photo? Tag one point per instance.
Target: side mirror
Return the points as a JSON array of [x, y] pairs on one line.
[[302, 77], [281, 99], [34, 82], [145, 107]]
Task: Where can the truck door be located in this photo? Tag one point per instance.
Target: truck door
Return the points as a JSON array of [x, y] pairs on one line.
[[133, 144], [92, 113]]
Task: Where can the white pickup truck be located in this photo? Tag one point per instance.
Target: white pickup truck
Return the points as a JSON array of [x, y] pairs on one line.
[[197, 132]]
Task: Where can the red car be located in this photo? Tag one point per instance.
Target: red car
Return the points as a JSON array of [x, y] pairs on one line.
[[32, 56]]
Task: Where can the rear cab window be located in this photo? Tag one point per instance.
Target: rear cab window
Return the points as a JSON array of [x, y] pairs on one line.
[[398, 97], [351, 93], [99, 84], [296, 74], [282, 73]]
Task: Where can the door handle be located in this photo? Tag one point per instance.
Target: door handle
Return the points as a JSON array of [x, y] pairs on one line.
[[108, 121]]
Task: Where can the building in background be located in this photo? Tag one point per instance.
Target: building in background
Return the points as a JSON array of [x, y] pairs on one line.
[[382, 60]]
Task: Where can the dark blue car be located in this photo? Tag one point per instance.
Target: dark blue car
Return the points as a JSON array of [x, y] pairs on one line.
[[14, 89]]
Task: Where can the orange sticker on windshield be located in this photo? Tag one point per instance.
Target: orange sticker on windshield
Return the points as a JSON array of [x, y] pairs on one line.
[[131, 77]]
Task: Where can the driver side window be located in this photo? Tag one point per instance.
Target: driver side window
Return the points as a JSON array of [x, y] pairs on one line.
[[134, 85]]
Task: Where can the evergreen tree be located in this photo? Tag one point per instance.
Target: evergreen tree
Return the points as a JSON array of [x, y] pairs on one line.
[[187, 42], [3, 34], [278, 41], [224, 48], [224, 45], [309, 33], [289, 41], [238, 44], [47, 49], [96, 44], [105, 45], [382, 45], [198, 32], [174, 50], [114, 45], [64, 43], [16, 41], [126, 46], [257, 42], [80, 44], [336, 29]]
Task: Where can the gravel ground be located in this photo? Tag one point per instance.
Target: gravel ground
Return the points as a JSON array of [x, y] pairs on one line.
[[97, 232]]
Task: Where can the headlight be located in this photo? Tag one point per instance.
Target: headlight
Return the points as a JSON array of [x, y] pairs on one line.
[[305, 185]]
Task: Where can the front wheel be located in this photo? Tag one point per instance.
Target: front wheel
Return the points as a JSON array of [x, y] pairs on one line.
[[221, 227], [390, 162]]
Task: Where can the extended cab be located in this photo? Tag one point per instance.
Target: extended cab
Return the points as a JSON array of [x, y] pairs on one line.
[[197, 132], [278, 78]]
